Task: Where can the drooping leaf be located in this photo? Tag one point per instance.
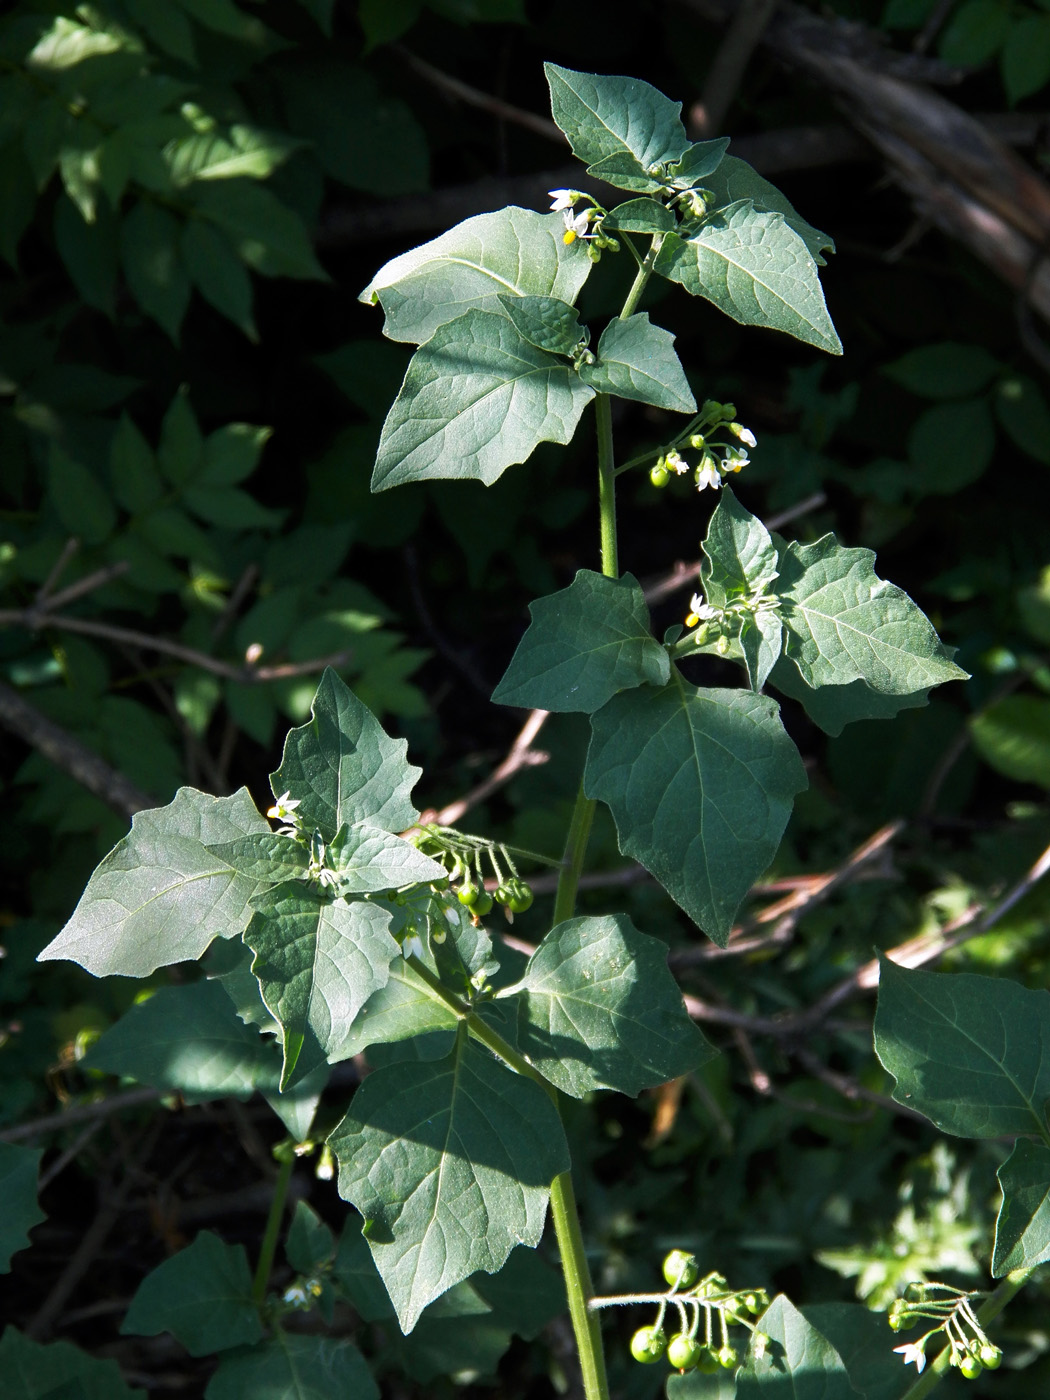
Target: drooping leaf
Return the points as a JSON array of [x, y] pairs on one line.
[[369, 860], [188, 1040], [400, 1010], [604, 115], [971, 1053], [58, 1371], [1013, 736], [515, 252], [318, 961], [636, 360], [734, 179], [1022, 1230], [450, 1163], [161, 896], [343, 767], [700, 783], [798, 1364], [583, 644], [598, 1009], [843, 623], [19, 1169], [477, 398], [294, 1367], [832, 707], [202, 1296], [753, 266], [545, 322]]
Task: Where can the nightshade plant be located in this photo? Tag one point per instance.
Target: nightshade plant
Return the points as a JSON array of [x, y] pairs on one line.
[[351, 926]]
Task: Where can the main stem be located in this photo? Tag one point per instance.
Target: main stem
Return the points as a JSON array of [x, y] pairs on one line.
[[578, 1285], [273, 1228]]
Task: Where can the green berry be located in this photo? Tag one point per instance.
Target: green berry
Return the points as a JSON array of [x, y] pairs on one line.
[[468, 893], [990, 1357], [684, 1352], [482, 905], [648, 1344], [681, 1269], [659, 475], [521, 897], [970, 1366], [728, 1357], [504, 893], [753, 1303]]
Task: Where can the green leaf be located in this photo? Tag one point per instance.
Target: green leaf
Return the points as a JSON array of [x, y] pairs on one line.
[[202, 1296], [740, 558], [181, 443], [640, 216], [240, 150], [735, 180], [318, 961], [58, 1371], [1021, 409], [700, 161], [843, 623], [1022, 1230], [310, 1242], [386, 20], [951, 445], [598, 1009], [292, 1367], [89, 252], [545, 322], [636, 361], [218, 274], [18, 203], [971, 1053], [160, 896], [625, 171], [267, 235], [79, 498], [19, 1169], [265, 856], [450, 1163], [477, 399], [132, 469], [832, 707], [700, 784], [946, 370], [166, 25], [188, 1040], [974, 33], [859, 1337], [230, 508], [369, 860], [1013, 737], [583, 644], [402, 1009], [799, 1363], [753, 266], [515, 252], [149, 254], [232, 453], [604, 116], [344, 768]]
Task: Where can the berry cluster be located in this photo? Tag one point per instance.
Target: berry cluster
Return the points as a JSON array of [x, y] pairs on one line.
[[970, 1350]]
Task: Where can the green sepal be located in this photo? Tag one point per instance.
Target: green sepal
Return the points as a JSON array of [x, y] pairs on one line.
[[583, 644], [636, 360]]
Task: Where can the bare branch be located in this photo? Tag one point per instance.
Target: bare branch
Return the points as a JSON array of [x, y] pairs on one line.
[[520, 755]]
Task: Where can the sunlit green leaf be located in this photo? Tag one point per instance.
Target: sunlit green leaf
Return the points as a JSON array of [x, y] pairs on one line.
[[636, 360], [1022, 1230], [224, 155], [797, 1364], [545, 322], [734, 180], [606, 116]]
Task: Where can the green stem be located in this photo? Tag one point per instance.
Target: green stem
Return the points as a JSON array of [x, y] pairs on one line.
[[607, 486], [579, 1288], [989, 1309], [572, 861], [642, 276], [268, 1248]]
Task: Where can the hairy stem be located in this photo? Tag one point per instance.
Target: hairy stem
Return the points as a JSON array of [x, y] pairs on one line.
[[273, 1228], [989, 1309]]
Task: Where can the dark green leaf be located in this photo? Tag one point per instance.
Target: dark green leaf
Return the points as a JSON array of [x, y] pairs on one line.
[[149, 252], [230, 507], [450, 1163], [79, 498], [700, 783], [516, 252], [166, 25], [843, 623], [753, 266], [59, 1371], [344, 768], [861, 1338], [636, 360], [545, 322], [89, 252], [1013, 737], [404, 1008], [598, 1009], [232, 452], [974, 33], [181, 443], [584, 643], [202, 1296], [133, 470], [832, 707], [18, 202], [946, 370], [188, 1040], [1021, 409], [267, 235], [310, 1243], [798, 1363], [604, 115], [477, 399], [1022, 1231], [951, 446], [160, 896], [291, 1367], [971, 1053], [218, 274], [19, 1169], [318, 961]]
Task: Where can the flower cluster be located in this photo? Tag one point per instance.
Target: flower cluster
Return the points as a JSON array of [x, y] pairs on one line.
[[722, 443], [586, 225], [969, 1348]]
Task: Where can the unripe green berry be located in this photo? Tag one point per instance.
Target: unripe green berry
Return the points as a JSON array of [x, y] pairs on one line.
[[708, 1363], [468, 893], [684, 1353], [728, 1357], [990, 1357], [681, 1269], [482, 905], [648, 1344], [970, 1366], [659, 475]]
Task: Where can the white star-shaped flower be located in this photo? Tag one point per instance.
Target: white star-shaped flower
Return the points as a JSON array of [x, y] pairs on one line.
[[412, 946], [675, 462], [735, 460], [704, 612], [745, 435], [707, 475], [913, 1351], [576, 227], [563, 199], [284, 807]]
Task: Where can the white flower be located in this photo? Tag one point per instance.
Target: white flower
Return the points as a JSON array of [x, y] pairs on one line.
[[735, 459], [675, 462], [707, 475], [912, 1351], [745, 435], [563, 199], [702, 611], [575, 227], [283, 808], [412, 946]]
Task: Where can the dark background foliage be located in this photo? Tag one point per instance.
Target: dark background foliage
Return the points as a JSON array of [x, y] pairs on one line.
[[191, 197]]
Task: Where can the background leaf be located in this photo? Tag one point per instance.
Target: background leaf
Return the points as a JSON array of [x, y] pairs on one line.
[[292, 1367], [1013, 736], [1022, 1229], [57, 1371], [19, 1170], [202, 1296]]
